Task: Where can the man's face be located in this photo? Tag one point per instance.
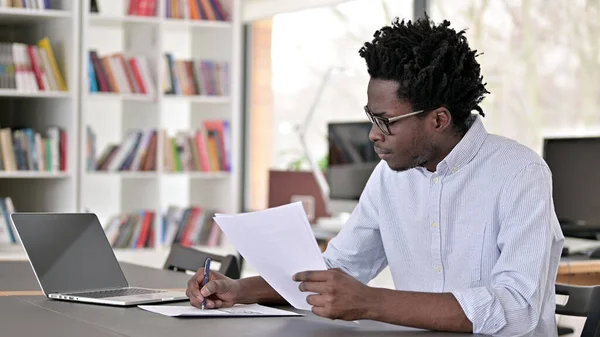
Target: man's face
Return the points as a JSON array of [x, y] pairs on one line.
[[408, 146]]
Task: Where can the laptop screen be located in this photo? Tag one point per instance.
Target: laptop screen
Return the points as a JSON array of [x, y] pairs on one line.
[[68, 252]]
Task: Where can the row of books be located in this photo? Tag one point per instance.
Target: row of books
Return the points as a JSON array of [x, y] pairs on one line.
[[7, 228], [207, 149], [187, 226], [30, 68], [26, 150], [195, 77], [119, 74], [131, 230], [142, 7], [190, 226], [136, 153], [30, 4], [196, 10]]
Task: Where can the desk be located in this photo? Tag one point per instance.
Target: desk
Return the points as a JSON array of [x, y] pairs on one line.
[[578, 272], [37, 315]]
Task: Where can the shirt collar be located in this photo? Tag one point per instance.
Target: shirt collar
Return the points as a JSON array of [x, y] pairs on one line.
[[466, 148]]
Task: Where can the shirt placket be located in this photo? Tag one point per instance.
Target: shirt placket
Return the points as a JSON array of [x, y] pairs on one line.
[[435, 191]]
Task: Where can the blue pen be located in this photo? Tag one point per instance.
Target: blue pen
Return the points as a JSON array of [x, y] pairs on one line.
[[206, 273]]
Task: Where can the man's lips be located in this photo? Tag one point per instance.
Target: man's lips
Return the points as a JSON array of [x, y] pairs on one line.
[[381, 151]]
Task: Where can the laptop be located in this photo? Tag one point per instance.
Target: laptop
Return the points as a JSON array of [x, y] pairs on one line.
[[72, 260]]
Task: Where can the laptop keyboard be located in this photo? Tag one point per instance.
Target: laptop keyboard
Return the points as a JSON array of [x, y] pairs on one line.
[[116, 292]]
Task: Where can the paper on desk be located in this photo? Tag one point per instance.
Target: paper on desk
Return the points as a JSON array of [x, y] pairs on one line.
[[238, 310], [278, 242]]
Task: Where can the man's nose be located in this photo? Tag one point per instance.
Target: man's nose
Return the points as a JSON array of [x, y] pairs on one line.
[[375, 134]]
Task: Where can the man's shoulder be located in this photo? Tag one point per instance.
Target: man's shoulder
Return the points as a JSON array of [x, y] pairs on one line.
[[510, 153]]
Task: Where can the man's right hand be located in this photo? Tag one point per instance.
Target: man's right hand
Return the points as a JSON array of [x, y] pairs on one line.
[[220, 291]]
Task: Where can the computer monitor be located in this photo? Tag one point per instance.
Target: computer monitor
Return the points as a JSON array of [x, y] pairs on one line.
[[351, 162], [575, 167]]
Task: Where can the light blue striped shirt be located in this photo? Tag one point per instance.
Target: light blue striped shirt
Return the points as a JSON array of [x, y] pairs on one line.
[[482, 226]]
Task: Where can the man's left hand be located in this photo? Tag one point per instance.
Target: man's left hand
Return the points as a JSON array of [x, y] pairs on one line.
[[337, 295]]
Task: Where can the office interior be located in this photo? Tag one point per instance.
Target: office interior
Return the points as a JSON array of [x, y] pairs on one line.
[[287, 112]]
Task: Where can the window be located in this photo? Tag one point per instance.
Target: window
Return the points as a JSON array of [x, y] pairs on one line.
[[313, 61], [541, 63]]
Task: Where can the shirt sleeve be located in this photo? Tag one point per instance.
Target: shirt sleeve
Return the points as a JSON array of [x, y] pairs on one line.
[[358, 249], [511, 304]]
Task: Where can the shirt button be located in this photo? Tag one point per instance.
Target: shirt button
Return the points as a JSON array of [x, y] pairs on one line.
[[454, 169], [435, 180], [434, 225], [438, 268]]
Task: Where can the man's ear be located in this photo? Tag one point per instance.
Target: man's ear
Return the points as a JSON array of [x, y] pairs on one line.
[[441, 119]]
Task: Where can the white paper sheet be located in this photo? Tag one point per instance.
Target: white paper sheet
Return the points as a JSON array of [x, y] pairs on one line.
[[238, 310], [278, 242]]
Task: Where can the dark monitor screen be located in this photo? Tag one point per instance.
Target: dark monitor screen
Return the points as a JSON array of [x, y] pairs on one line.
[[351, 159], [575, 167]]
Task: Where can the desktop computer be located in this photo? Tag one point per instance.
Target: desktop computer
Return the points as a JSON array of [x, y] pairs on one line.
[[575, 167], [352, 160]]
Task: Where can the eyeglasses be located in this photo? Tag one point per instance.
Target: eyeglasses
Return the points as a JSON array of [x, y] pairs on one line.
[[384, 123]]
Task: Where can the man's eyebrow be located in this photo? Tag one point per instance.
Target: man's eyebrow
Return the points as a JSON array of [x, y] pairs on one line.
[[377, 114]]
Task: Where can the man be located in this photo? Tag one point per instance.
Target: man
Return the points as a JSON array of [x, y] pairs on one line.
[[464, 219]]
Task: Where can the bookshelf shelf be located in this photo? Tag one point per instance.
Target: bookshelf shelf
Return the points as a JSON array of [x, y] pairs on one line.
[[33, 175], [198, 99], [27, 16], [35, 94], [114, 20], [186, 23], [99, 96], [199, 175], [125, 174]]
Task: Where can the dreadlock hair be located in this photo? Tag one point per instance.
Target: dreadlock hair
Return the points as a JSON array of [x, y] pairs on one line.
[[433, 65]]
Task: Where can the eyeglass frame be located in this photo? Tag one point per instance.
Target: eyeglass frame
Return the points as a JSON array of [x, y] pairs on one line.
[[388, 121]]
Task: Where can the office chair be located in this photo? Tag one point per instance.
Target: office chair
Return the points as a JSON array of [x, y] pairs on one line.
[[584, 301], [189, 259]]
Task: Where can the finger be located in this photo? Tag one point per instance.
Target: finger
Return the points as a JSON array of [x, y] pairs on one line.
[[316, 300], [193, 288], [212, 287], [315, 287], [218, 304], [214, 275], [195, 302], [210, 304], [313, 276], [320, 311]]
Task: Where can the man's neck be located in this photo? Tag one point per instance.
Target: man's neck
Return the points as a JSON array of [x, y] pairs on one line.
[[441, 151]]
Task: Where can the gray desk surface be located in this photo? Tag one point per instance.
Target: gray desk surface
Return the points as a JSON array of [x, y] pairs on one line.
[[37, 315], [18, 276]]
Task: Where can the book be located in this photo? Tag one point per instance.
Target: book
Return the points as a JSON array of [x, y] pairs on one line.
[[137, 152], [119, 73], [196, 10], [205, 149], [195, 77], [25, 149], [29, 68], [7, 228]]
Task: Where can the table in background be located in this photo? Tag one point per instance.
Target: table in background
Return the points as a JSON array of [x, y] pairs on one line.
[[38, 316], [579, 271]]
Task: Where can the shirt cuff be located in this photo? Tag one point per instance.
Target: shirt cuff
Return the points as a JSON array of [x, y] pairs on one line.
[[482, 308]]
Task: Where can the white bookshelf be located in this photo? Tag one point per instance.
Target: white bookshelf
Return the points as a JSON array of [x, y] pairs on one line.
[[41, 191], [36, 16], [112, 115]]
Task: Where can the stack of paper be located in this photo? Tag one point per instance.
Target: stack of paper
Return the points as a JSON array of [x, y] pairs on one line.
[[277, 242]]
